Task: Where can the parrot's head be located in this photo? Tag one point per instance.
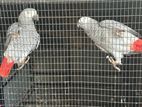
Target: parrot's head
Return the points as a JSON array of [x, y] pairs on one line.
[[29, 14], [87, 23]]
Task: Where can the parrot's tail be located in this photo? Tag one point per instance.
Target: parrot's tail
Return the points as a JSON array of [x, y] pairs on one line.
[[137, 45], [5, 67]]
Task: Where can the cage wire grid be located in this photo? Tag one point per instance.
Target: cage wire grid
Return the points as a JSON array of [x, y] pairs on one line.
[[68, 69]]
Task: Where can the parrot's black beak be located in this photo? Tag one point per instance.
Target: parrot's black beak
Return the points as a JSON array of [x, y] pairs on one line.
[[79, 23], [36, 17]]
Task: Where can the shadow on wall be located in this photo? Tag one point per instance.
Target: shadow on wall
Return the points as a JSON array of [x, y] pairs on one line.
[[67, 69]]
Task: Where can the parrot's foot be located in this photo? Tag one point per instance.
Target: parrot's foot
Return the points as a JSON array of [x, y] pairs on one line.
[[113, 62], [21, 65]]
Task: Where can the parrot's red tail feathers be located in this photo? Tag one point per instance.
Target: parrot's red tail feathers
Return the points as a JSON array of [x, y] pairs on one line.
[[5, 67], [137, 46]]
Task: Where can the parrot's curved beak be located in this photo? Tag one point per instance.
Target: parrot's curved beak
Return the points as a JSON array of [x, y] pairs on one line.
[[78, 24], [36, 17]]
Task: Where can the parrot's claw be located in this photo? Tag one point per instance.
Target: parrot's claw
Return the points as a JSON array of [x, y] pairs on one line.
[[21, 65], [114, 63], [117, 68]]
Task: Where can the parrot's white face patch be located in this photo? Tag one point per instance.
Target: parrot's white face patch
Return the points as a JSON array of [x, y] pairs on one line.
[[84, 20], [30, 13], [86, 23]]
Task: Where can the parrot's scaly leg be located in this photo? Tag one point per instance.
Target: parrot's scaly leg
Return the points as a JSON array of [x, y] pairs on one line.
[[113, 62], [21, 65], [26, 61], [19, 68]]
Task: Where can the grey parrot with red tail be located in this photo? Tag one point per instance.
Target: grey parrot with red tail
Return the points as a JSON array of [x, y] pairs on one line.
[[112, 37], [22, 39]]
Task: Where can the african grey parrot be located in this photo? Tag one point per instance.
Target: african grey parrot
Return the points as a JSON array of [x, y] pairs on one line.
[[22, 39], [112, 37]]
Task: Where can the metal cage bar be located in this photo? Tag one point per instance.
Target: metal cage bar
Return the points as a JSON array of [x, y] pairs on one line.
[[68, 70]]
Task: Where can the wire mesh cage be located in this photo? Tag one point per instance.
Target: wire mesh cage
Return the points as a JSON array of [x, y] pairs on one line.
[[68, 69]]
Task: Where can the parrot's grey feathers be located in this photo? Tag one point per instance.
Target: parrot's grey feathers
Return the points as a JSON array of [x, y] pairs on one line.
[[22, 36], [12, 33], [102, 48], [37, 44], [117, 25], [13, 28], [117, 32]]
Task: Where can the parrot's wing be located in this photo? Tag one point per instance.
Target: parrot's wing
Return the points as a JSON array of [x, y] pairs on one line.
[[12, 32], [37, 42], [111, 24], [120, 27]]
